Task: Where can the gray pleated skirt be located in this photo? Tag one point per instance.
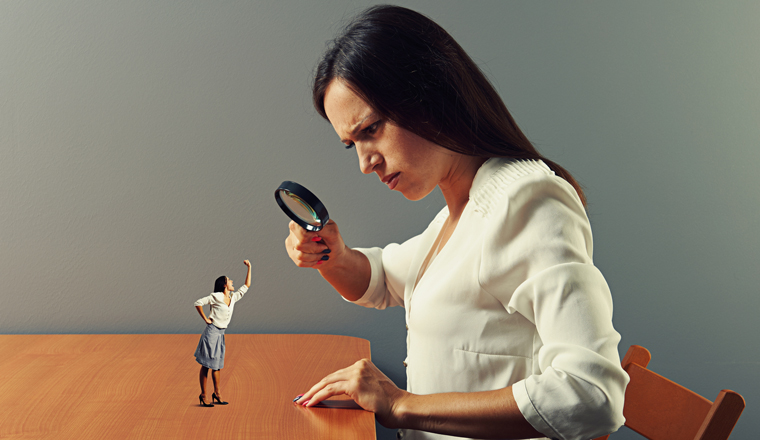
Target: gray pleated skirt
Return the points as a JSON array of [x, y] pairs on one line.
[[210, 351]]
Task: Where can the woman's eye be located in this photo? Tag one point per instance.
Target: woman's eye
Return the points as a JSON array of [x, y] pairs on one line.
[[369, 130], [372, 128]]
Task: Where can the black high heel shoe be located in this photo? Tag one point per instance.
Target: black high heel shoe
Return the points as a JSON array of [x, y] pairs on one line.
[[214, 398], [203, 402]]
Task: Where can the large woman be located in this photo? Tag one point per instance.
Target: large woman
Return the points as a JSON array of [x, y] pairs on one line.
[[509, 322], [211, 347]]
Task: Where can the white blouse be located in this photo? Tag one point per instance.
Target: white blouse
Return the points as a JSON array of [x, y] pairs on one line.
[[221, 313], [513, 298]]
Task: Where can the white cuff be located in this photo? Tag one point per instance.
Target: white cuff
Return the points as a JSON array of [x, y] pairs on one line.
[[520, 392]]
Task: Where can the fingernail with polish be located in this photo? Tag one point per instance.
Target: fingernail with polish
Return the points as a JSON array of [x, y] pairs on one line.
[[326, 251], [297, 397], [316, 238], [325, 258], [306, 403]]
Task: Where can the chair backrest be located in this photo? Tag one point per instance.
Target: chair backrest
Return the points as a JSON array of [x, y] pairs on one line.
[[660, 409]]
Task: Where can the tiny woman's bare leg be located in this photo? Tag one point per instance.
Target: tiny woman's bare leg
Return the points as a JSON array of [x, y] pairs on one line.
[[203, 378], [216, 376]]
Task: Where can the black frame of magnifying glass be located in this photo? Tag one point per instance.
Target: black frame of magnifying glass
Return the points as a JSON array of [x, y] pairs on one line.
[[308, 197]]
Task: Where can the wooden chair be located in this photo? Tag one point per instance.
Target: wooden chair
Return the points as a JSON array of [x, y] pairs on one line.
[[660, 409]]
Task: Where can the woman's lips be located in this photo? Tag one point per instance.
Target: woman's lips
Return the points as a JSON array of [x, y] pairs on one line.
[[391, 180]]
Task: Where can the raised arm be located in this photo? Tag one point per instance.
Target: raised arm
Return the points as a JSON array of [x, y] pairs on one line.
[[248, 276], [347, 270]]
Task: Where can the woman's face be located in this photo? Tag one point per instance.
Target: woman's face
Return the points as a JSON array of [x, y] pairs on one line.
[[402, 160], [229, 285]]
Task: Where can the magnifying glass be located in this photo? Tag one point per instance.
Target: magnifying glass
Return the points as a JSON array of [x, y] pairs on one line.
[[301, 205]]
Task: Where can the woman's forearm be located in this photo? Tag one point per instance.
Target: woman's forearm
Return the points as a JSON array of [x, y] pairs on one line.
[[203, 315], [485, 414], [350, 275]]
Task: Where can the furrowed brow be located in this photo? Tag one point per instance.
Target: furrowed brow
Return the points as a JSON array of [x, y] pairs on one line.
[[358, 126]]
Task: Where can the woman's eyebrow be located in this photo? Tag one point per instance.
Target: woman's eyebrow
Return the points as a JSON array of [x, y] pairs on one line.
[[358, 126]]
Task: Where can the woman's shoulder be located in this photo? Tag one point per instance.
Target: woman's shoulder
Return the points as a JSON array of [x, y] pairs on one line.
[[501, 182], [534, 219]]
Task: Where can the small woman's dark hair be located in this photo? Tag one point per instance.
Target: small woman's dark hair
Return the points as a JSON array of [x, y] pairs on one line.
[[220, 283], [412, 72]]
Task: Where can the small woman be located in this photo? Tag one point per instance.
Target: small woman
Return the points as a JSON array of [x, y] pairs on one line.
[[509, 322], [210, 350]]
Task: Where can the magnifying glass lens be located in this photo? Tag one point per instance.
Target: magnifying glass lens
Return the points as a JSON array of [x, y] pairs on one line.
[[301, 205], [300, 208]]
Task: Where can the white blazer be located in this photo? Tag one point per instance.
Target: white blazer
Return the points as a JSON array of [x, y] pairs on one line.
[[513, 298]]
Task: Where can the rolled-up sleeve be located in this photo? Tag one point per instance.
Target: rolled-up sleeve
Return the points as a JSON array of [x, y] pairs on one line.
[[580, 391], [203, 301], [390, 268], [238, 295], [537, 262]]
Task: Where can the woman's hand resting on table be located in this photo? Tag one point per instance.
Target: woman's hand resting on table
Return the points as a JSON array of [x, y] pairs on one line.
[[366, 385]]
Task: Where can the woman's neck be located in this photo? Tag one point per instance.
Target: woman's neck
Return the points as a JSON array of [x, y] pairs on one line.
[[456, 187]]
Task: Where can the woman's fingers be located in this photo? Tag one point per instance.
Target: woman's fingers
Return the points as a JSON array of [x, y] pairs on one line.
[[306, 256], [306, 248], [325, 388], [304, 238], [363, 382], [329, 390], [335, 247]]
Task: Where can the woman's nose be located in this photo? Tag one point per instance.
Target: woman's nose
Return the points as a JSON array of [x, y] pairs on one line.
[[368, 159]]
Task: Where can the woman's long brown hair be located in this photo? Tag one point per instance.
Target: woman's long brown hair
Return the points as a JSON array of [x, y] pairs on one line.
[[410, 70]]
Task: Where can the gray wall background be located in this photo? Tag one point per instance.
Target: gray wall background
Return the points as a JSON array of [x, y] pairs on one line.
[[141, 142]]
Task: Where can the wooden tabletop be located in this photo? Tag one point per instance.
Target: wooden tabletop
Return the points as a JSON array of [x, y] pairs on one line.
[[146, 387]]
